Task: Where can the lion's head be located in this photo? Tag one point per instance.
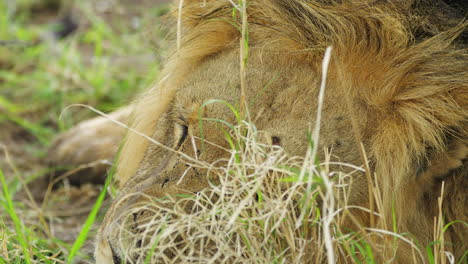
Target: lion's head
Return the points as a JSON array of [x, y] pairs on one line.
[[397, 84]]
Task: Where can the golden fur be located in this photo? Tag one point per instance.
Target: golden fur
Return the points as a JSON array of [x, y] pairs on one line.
[[397, 77]]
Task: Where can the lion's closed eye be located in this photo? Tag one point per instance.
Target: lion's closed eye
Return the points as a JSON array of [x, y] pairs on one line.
[[115, 257], [181, 134]]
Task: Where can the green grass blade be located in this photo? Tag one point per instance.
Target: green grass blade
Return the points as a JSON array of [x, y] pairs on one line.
[[12, 213], [430, 253], [81, 239], [9, 106]]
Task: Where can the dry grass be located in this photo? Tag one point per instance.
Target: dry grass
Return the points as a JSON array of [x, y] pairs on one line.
[[263, 207]]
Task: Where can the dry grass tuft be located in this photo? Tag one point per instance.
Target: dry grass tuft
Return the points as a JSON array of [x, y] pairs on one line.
[[262, 207], [250, 212]]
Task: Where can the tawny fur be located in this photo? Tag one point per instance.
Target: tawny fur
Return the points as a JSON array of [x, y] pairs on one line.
[[397, 76], [91, 144]]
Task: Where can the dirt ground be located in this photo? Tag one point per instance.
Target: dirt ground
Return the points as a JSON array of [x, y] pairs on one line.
[[59, 211]]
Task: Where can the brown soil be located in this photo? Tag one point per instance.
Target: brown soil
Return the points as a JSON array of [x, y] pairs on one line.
[[66, 207]]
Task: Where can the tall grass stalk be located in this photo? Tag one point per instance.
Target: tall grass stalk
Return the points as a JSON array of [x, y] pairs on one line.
[[179, 24], [244, 54], [329, 199]]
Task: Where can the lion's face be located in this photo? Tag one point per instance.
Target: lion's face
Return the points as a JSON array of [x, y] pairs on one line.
[[198, 121]]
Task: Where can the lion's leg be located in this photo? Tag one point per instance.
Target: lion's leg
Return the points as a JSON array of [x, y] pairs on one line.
[[89, 147]]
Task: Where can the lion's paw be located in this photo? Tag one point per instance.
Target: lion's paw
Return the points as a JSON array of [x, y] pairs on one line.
[[87, 150]]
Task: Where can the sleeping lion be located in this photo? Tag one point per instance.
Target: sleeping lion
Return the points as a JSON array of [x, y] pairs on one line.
[[394, 105]]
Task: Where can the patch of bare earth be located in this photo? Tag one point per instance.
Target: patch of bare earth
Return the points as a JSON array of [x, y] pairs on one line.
[[59, 211]]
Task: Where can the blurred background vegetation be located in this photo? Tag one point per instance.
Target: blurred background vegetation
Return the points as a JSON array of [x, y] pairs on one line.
[[54, 54]]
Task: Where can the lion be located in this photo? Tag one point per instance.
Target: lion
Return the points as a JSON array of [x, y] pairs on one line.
[[395, 103]]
